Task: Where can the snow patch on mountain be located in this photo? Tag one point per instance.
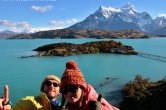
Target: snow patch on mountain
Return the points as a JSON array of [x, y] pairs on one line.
[[126, 17]]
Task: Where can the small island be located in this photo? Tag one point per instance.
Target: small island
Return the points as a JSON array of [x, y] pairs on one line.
[[68, 49]]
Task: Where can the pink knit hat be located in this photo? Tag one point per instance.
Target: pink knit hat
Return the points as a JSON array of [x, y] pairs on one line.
[[72, 75]]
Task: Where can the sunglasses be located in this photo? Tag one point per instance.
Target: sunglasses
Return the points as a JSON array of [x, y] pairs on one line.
[[48, 83], [72, 89]]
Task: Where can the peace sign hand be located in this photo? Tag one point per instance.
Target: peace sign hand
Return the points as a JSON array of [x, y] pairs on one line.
[[4, 101]]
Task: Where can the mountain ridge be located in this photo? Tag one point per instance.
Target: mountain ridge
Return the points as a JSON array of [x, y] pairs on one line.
[[84, 33], [123, 18]]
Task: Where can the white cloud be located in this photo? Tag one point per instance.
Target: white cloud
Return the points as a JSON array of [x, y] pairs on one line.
[[12, 24], [60, 22], [7, 23], [33, 30], [41, 9], [24, 27], [23, 24], [161, 15]]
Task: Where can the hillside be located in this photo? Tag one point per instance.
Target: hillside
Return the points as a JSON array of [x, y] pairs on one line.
[[85, 33], [141, 94]]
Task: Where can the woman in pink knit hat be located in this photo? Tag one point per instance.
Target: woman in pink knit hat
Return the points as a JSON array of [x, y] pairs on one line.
[[77, 93]]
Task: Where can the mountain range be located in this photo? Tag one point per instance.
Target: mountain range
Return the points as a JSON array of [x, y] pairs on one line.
[[7, 34], [83, 33], [124, 18], [104, 19]]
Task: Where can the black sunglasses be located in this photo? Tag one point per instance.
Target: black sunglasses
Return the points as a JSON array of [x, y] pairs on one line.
[[72, 89], [48, 83]]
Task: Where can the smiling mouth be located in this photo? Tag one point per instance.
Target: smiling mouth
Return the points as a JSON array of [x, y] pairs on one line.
[[49, 91]]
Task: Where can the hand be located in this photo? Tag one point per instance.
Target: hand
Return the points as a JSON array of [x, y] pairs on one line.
[[4, 101], [95, 105]]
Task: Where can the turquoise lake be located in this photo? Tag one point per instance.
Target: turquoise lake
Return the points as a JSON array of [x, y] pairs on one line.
[[24, 75]]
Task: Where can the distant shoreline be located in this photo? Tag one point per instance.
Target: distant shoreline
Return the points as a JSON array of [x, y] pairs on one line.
[[84, 33]]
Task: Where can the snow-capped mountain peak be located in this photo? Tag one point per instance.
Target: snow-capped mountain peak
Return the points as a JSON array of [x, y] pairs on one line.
[[102, 8], [122, 18], [109, 9], [161, 21], [129, 6], [129, 9]]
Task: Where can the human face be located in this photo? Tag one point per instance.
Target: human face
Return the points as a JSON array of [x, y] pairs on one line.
[[51, 88], [72, 93]]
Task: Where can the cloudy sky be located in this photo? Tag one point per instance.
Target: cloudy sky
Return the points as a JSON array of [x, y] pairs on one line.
[[34, 15]]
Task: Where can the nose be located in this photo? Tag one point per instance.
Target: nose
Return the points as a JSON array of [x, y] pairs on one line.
[[51, 85], [68, 93]]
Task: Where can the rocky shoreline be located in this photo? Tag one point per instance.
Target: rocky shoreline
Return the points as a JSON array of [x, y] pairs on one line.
[[68, 49]]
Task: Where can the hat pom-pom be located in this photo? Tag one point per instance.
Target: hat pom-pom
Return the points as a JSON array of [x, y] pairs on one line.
[[71, 65]]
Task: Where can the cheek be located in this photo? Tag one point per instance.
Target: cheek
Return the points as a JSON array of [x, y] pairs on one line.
[[79, 93], [45, 89], [58, 90]]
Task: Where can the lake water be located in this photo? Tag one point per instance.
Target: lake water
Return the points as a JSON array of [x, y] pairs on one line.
[[24, 75]]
